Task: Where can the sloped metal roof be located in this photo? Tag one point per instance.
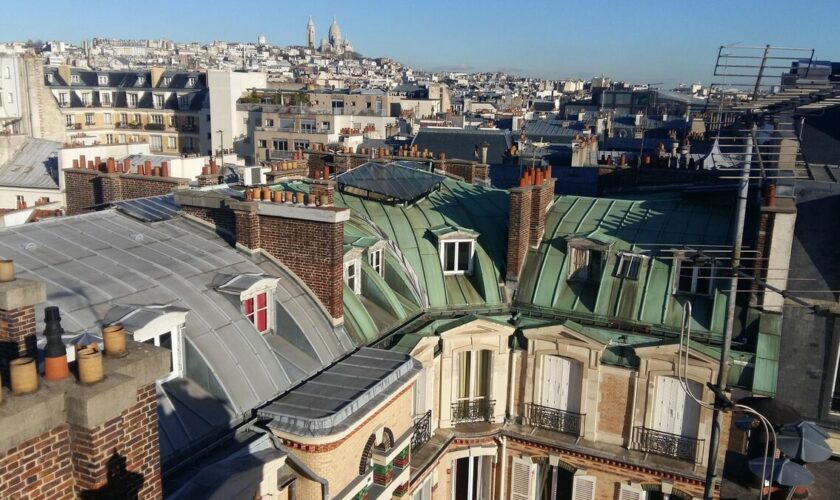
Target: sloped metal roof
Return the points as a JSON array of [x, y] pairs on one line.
[[335, 399], [35, 165], [94, 262], [151, 209], [392, 180]]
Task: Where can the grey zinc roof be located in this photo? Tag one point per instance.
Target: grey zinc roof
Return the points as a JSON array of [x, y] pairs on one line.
[[332, 401], [461, 143], [99, 263], [35, 165]]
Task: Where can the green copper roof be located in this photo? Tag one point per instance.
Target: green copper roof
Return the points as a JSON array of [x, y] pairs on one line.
[[455, 205], [653, 227], [444, 230]]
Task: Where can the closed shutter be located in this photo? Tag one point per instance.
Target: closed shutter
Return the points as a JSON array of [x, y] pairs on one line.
[[629, 492], [522, 479], [583, 488], [561, 384], [667, 413]]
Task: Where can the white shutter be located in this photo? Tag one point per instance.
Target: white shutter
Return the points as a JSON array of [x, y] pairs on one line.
[[583, 488], [665, 409], [550, 382], [522, 479], [631, 492], [561, 383]]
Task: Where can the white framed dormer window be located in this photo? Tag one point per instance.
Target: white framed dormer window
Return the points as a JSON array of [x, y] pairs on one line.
[[141, 80], [191, 81], [629, 265], [694, 276], [166, 330], [456, 256], [352, 276], [63, 99], [166, 80], [105, 98], [158, 101], [102, 79], [75, 79], [585, 264], [257, 308], [375, 261], [50, 77], [132, 100]]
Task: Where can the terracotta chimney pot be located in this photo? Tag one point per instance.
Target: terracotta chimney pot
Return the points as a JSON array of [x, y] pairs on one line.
[[76, 163], [126, 165], [299, 198], [109, 166], [289, 196], [89, 362], [114, 339], [7, 270], [164, 169], [24, 376], [278, 196]]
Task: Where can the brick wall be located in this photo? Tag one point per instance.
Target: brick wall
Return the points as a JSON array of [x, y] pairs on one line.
[[223, 217], [38, 468], [338, 462], [122, 455], [519, 222], [614, 404], [17, 331], [87, 189], [313, 251]]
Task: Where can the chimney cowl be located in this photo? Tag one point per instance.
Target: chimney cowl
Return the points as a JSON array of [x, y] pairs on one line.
[[53, 332]]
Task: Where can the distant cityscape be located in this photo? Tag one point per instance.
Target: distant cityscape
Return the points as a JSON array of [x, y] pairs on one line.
[[241, 270]]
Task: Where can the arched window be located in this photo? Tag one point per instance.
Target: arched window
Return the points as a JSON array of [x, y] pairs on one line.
[[364, 463]]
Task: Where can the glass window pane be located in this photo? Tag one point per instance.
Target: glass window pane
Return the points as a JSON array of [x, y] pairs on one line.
[[249, 306], [449, 256], [704, 278], [166, 340], [262, 323], [686, 276], [464, 255], [463, 374], [261, 301]]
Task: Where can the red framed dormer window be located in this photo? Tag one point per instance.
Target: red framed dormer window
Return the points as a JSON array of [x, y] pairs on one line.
[[256, 310]]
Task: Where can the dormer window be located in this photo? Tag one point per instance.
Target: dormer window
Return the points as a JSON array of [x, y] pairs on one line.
[[256, 309], [191, 81], [375, 261], [157, 325], [456, 246], [141, 80], [132, 100], [351, 276], [49, 77], [74, 79], [102, 79], [255, 295], [166, 81], [585, 264], [694, 275], [629, 265]]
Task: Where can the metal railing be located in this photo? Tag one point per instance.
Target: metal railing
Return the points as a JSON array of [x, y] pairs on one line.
[[422, 431], [476, 410], [668, 444], [555, 419]]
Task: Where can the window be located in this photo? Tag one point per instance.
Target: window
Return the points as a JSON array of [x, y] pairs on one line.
[[325, 125], [473, 478], [102, 79], [268, 122], [674, 411], [157, 119], [307, 125], [74, 79], [137, 118], [141, 80], [256, 310], [473, 374], [262, 143], [109, 138], [155, 143], [375, 261], [279, 145], [184, 101], [105, 98], [107, 117], [132, 100], [124, 118], [158, 101], [695, 276], [584, 264], [170, 142], [301, 145], [351, 276], [191, 81], [63, 100], [69, 120], [166, 80], [628, 265], [561, 383], [86, 98], [170, 338], [89, 119], [49, 77], [456, 256]]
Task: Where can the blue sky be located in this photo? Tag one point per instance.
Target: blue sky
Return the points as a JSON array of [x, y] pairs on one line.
[[643, 41]]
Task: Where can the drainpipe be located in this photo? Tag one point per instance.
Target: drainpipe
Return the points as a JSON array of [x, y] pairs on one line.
[[502, 440], [298, 464], [512, 385]]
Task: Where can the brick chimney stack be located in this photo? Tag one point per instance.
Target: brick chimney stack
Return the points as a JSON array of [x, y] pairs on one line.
[[529, 204], [18, 298]]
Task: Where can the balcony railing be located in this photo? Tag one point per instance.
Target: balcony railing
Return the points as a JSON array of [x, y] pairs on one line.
[[154, 126], [422, 431], [668, 445], [476, 410], [189, 128], [555, 419]]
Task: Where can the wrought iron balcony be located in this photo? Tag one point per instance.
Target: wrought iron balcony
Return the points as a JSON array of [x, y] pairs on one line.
[[476, 410], [668, 445], [422, 431], [555, 419]]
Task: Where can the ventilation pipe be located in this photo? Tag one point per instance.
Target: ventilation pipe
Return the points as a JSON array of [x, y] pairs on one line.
[[55, 354]]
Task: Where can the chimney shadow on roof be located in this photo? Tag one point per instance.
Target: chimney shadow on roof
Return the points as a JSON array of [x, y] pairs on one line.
[[121, 483]]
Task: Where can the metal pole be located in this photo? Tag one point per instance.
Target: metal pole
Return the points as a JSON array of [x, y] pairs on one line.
[[723, 372]]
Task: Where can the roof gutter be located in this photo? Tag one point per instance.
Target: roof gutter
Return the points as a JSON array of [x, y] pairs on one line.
[[297, 464]]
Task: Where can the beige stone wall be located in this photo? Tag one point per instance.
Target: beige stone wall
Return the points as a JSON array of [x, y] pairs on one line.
[[338, 461]]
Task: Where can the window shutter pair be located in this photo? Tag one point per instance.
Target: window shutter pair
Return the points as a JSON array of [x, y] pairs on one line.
[[523, 476]]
